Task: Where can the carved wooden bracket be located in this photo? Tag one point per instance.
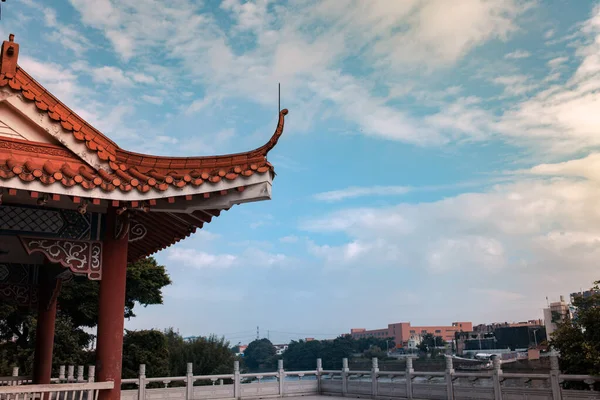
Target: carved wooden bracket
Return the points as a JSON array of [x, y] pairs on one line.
[[127, 224], [82, 257]]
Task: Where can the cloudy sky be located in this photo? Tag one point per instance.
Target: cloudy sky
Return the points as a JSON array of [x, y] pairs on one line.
[[440, 160]]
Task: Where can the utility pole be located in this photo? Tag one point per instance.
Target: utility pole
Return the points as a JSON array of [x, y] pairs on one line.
[[257, 334]]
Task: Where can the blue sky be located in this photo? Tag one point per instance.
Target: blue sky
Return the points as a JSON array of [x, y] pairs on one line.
[[439, 163]]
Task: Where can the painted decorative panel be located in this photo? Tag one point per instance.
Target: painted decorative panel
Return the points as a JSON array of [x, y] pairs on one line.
[[82, 257], [49, 222], [18, 283]]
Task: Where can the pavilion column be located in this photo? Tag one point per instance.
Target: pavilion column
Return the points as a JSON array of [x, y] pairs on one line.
[[109, 349], [44, 333]]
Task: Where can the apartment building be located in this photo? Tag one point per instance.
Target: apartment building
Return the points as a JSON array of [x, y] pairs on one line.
[[401, 332]]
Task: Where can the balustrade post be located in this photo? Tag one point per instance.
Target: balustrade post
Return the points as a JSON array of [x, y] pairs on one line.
[[280, 377], [237, 387], [319, 372], [345, 371], [71, 373], [91, 379], [61, 374], [15, 372], [142, 382], [449, 373], [554, 376], [497, 378], [374, 375], [189, 382], [409, 372], [80, 374]]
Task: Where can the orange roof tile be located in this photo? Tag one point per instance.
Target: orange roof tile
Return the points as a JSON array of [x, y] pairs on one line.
[[126, 170]]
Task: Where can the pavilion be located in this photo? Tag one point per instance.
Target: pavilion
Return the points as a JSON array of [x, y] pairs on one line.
[[72, 202]]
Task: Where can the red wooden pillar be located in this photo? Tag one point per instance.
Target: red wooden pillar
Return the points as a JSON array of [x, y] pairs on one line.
[[109, 349], [44, 333]]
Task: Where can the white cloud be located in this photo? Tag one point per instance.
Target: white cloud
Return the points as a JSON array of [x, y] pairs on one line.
[[555, 62], [201, 259], [434, 34], [65, 34], [289, 239], [515, 55], [515, 85], [587, 167], [152, 99], [500, 240], [250, 257], [352, 192]]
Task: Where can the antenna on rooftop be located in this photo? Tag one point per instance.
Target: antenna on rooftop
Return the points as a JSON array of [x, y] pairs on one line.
[[2, 1]]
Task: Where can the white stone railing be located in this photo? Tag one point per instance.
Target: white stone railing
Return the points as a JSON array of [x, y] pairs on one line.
[[73, 391], [226, 386], [407, 384]]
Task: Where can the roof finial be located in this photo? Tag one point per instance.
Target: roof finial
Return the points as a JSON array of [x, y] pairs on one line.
[[9, 54]]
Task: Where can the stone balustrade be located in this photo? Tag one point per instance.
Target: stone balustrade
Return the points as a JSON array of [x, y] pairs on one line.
[[375, 384]]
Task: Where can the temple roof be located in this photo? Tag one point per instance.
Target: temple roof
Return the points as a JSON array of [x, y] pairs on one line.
[[60, 160], [116, 169]]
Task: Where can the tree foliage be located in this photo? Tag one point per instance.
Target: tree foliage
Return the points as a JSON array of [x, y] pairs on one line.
[[578, 339], [259, 354], [77, 308], [430, 342], [209, 355], [149, 347], [302, 355]]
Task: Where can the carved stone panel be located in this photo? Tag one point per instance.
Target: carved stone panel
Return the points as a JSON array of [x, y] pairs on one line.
[[82, 257]]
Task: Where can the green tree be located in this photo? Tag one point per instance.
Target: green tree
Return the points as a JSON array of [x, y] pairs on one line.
[[334, 351], [259, 354], [78, 308], [375, 351], [302, 355], [148, 347], [429, 342], [364, 344], [578, 339]]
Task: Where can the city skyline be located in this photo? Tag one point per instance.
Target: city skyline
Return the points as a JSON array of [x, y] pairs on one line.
[[439, 163]]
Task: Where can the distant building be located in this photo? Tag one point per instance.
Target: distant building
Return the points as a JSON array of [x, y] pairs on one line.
[[413, 342], [402, 332], [280, 348], [241, 349], [519, 337], [501, 339], [557, 311], [487, 328], [585, 294]]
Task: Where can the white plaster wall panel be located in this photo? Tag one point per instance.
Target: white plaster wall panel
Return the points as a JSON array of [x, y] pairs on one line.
[[15, 125]]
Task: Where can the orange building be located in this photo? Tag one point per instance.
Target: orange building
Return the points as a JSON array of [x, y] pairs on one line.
[[401, 332]]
